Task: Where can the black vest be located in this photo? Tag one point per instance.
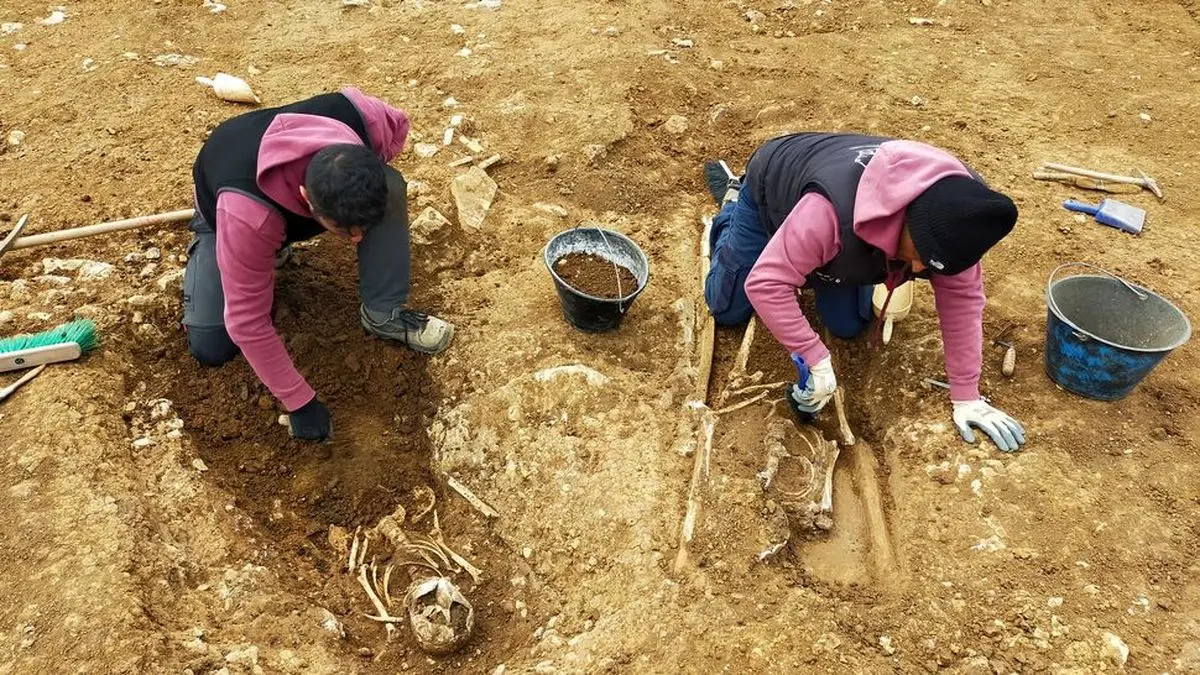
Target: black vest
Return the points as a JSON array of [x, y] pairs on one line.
[[229, 158], [785, 169]]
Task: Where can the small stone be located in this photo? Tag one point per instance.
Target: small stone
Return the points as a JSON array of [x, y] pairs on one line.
[[131, 56], [141, 443], [427, 225], [8, 28], [169, 278], [253, 71], [16, 137], [425, 150], [159, 409], [612, 31], [917, 101], [89, 64], [290, 662], [450, 102], [676, 124], [1054, 602], [152, 253], [552, 162], [683, 44], [1145, 117], [716, 64], [5, 317], [199, 465], [85, 269], [526, 552], [149, 270], [142, 300], [885, 645], [246, 655], [552, 209], [56, 17], [180, 60], [1115, 649], [457, 29], [366, 652], [473, 194], [40, 316]]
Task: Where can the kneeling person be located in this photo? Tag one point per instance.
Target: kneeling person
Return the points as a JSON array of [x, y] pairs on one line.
[[271, 177]]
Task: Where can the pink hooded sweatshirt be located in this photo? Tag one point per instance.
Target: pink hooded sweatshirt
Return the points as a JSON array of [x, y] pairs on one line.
[[808, 239], [249, 233]]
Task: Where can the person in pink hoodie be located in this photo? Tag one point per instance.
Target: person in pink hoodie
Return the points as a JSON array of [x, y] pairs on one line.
[[271, 177], [839, 213]]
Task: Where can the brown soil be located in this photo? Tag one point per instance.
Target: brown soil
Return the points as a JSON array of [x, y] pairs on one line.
[[595, 275], [156, 518]]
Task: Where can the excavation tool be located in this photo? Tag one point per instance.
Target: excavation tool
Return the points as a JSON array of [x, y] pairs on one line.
[[1049, 171], [891, 305], [64, 343], [1010, 352], [801, 383], [1112, 213], [12, 388], [14, 241], [942, 385]]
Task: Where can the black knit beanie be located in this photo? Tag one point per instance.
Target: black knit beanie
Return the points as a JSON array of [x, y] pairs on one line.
[[956, 220]]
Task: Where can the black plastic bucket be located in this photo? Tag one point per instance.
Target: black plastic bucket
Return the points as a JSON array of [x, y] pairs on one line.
[[586, 312]]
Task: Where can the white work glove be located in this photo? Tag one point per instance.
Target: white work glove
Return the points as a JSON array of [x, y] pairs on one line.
[[821, 385], [1005, 432]]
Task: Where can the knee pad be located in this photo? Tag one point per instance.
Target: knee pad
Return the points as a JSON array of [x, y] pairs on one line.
[[211, 347]]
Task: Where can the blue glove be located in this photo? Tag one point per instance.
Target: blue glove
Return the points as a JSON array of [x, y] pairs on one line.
[[809, 395], [311, 422]]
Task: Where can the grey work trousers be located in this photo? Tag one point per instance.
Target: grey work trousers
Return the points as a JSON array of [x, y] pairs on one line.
[[384, 271]]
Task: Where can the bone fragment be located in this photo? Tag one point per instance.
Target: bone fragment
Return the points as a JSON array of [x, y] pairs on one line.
[[379, 606], [839, 405], [743, 404], [353, 561], [475, 501]]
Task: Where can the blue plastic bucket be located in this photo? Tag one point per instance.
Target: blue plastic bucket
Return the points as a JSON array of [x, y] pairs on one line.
[[1104, 334], [586, 312]]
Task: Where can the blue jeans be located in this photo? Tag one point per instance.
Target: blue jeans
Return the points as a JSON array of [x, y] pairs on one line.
[[737, 239]]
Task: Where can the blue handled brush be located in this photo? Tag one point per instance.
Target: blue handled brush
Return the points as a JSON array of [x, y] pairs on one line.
[[63, 343], [801, 382], [1112, 213]]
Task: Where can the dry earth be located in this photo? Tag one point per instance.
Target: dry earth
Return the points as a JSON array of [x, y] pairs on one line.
[[206, 546]]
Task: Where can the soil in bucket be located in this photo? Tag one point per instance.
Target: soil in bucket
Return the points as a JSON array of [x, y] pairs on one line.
[[595, 276]]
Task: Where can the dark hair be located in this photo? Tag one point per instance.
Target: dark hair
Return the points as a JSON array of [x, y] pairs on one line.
[[346, 183]]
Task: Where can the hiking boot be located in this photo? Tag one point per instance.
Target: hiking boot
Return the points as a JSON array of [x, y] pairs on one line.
[[419, 331]]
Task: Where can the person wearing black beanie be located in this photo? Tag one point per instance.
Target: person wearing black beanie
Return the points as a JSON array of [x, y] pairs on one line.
[[840, 213]]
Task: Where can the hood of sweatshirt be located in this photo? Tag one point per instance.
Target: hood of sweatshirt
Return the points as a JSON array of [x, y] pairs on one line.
[[897, 174], [287, 147]]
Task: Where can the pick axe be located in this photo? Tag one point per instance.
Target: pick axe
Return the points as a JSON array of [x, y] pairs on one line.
[[1062, 171], [14, 241]]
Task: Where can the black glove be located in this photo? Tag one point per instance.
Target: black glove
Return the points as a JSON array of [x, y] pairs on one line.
[[311, 422]]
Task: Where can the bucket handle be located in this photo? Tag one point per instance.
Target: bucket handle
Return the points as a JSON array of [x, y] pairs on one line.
[[1050, 283], [616, 269]]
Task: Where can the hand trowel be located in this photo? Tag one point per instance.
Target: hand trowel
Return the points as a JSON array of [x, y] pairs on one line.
[[1112, 213]]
